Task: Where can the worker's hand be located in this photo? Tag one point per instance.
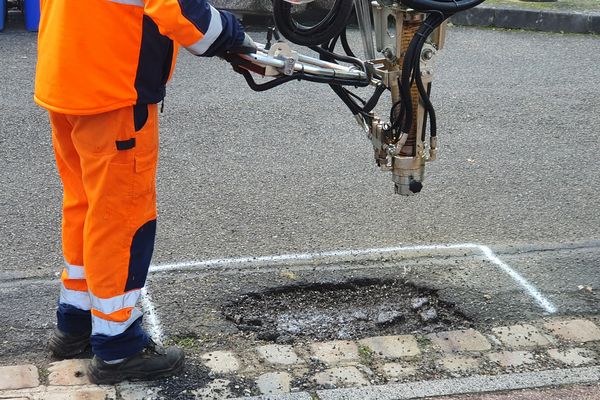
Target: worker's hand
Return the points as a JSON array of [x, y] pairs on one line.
[[246, 47]]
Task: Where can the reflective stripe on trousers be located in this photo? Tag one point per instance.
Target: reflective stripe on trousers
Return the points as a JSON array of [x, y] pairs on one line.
[[75, 298], [73, 290], [114, 315]]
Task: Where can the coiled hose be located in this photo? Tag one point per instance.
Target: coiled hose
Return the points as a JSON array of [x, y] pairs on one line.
[[338, 17], [447, 7], [331, 26]]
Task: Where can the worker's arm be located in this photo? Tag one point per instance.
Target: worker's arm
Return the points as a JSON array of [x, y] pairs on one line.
[[196, 25]]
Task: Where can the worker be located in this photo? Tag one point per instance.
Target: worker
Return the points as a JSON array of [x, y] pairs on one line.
[[102, 69]]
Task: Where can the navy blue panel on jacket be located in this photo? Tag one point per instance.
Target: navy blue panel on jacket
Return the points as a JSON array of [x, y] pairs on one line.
[[199, 13], [156, 58], [231, 36]]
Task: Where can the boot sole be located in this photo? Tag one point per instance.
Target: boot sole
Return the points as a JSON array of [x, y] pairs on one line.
[[61, 350], [112, 377]]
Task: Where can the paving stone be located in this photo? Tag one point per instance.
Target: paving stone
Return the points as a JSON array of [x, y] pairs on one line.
[[462, 340], [577, 330], [278, 354], [521, 336], [87, 392], [573, 357], [79, 393], [367, 371], [221, 362], [459, 364], [215, 390], [274, 383], [19, 377], [511, 359], [335, 352], [340, 377], [398, 371], [69, 372], [137, 391], [391, 347]]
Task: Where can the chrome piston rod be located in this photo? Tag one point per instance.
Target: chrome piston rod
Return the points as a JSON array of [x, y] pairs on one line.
[[306, 64], [310, 60]]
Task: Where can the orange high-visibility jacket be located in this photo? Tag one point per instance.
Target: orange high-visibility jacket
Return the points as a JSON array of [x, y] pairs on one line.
[[100, 55]]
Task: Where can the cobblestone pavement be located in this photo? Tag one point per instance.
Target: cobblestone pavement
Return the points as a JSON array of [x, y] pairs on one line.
[[298, 371]]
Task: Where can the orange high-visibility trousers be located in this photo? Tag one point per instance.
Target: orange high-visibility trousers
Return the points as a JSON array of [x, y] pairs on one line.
[[107, 163]]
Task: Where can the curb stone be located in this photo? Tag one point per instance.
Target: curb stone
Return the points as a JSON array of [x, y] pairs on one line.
[[488, 16], [536, 20], [449, 387], [473, 384]]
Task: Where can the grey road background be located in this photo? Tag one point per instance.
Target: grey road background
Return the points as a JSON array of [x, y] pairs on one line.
[[245, 174]]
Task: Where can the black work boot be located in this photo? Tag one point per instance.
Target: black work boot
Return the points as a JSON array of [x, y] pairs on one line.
[[63, 345], [152, 362]]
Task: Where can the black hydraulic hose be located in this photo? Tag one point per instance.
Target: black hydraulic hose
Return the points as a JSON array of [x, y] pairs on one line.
[[331, 26], [343, 95], [430, 113], [328, 55], [447, 7], [325, 79], [411, 57], [432, 117], [295, 76], [397, 121], [263, 86], [426, 100], [374, 99], [406, 123], [345, 45], [357, 97]]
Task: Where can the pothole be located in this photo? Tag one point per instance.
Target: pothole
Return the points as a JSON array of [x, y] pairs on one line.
[[348, 310]]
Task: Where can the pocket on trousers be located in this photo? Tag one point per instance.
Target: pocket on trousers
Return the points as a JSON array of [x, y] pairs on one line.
[[145, 162], [145, 174]]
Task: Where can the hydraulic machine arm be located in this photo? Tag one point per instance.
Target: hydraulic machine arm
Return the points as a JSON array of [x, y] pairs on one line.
[[400, 41]]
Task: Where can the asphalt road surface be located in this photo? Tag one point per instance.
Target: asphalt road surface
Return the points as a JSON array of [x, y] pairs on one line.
[[247, 174]]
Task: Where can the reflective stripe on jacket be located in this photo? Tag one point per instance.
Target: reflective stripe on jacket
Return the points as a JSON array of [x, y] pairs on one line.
[[100, 55]]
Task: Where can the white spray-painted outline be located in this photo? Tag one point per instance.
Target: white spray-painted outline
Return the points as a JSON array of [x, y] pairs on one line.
[[533, 292], [156, 329], [251, 261]]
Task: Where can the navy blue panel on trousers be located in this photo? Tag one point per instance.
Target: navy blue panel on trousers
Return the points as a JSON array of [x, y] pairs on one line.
[[72, 320], [124, 345], [154, 66], [142, 247]]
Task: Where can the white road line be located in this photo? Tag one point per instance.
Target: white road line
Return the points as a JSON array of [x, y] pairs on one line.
[[231, 262], [533, 292], [156, 329]]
